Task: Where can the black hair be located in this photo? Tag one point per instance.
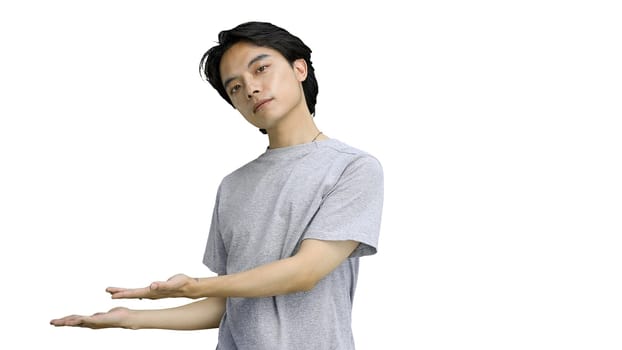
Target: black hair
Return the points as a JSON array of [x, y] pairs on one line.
[[260, 34]]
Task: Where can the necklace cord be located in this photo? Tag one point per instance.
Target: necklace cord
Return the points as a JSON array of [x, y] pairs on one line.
[[316, 136]]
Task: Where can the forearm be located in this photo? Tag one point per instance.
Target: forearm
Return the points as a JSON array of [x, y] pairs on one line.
[[276, 278], [202, 314], [299, 273]]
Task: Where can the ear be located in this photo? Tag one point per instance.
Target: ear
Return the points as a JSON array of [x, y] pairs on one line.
[[300, 69]]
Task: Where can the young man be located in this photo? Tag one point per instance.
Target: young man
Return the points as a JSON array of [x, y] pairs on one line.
[[287, 228]]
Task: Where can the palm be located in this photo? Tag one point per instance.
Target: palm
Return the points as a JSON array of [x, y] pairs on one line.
[[171, 288], [115, 317]]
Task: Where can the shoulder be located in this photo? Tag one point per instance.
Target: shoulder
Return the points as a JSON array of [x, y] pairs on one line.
[[332, 157], [356, 158], [232, 178]]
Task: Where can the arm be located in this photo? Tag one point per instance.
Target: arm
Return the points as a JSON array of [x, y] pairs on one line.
[[301, 272], [202, 314], [351, 210]]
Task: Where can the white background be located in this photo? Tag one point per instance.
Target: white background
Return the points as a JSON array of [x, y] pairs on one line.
[[497, 123]]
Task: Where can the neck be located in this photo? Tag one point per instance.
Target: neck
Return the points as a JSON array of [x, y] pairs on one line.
[[303, 131]]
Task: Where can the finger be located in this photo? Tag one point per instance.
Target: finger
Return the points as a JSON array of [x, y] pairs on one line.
[[88, 322], [174, 276], [72, 321], [131, 293], [112, 290], [58, 322], [76, 322], [64, 320], [164, 286]]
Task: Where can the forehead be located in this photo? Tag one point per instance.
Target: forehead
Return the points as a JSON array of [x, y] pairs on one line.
[[237, 57]]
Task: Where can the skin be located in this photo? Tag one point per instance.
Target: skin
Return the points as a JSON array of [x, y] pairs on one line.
[[252, 75]]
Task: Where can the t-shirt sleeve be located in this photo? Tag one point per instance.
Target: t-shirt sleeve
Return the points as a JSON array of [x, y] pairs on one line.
[[215, 256], [352, 209]]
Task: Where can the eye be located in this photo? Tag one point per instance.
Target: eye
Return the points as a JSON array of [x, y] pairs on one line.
[[262, 68], [234, 89]]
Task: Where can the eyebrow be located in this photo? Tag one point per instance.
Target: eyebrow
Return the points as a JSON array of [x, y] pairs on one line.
[[250, 63]]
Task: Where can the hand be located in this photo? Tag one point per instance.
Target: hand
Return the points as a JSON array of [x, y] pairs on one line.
[[175, 287], [115, 318]]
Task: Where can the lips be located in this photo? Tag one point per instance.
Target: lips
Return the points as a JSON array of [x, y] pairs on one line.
[[260, 104]]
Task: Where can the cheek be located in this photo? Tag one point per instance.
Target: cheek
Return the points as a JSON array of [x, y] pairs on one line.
[[272, 83], [236, 103], [286, 86]]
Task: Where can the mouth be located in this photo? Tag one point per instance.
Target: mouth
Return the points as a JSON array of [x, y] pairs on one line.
[[261, 104]]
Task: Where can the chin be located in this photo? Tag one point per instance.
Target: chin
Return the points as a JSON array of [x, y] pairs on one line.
[[268, 121]]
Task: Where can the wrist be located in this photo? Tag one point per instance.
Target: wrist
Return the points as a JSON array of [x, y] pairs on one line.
[[132, 321], [193, 290]]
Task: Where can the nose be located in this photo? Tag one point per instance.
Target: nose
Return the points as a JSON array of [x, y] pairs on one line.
[[252, 88], [250, 94]]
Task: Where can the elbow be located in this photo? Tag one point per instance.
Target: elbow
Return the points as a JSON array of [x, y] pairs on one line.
[[306, 284], [307, 280], [306, 274]]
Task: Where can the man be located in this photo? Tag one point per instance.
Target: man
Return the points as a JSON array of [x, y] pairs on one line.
[[287, 228]]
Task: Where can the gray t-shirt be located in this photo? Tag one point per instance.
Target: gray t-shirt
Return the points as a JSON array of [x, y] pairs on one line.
[[323, 190]]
